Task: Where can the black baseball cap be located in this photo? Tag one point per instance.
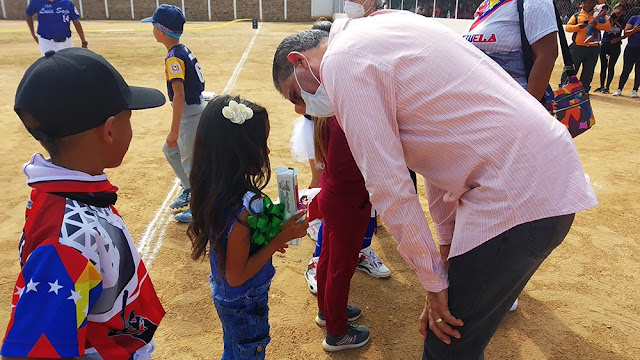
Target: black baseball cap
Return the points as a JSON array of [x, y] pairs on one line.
[[75, 90]]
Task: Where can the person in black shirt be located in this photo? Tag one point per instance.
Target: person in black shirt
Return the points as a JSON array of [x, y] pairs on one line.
[[610, 48]]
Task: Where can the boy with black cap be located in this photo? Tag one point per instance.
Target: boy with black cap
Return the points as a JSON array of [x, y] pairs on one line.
[[185, 84], [83, 291]]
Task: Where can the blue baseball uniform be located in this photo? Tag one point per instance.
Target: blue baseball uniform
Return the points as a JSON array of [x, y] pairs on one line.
[[182, 65], [54, 18]]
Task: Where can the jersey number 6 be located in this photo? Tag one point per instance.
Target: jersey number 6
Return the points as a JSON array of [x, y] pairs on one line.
[[197, 66]]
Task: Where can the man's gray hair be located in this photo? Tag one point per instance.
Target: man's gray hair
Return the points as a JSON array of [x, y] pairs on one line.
[[300, 41]]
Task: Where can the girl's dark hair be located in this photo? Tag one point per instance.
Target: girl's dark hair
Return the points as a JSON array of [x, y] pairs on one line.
[[228, 160]]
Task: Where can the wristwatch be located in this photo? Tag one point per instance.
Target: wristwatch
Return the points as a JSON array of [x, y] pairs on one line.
[[85, 43]]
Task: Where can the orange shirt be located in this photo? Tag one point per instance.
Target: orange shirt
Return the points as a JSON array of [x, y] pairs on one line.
[[573, 26]]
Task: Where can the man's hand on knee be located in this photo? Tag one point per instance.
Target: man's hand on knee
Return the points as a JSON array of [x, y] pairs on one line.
[[436, 315]]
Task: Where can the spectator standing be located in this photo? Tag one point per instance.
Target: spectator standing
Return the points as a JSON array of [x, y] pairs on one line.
[[583, 52], [610, 49], [631, 56], [54, 24]]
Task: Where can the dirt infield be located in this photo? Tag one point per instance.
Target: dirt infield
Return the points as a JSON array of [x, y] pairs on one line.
[[583, 303]]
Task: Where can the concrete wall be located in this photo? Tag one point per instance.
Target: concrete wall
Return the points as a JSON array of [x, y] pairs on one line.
[[92, 9], [272, 10], [221, 10], [196, 10], [298, 10], [15, 9]]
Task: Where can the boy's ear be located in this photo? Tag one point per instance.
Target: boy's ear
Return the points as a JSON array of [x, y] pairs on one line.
[[107, 128]]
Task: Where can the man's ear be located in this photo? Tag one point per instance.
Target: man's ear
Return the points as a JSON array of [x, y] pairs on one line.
[[296, 58], [107, 130]]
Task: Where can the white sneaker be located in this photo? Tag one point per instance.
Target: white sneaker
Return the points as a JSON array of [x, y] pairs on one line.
[[617, 92], [634, 94], [370, 262], [514, 306], [314, 229], [310, 275]]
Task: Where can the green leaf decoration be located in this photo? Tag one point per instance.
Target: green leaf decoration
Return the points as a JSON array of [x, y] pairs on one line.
[[266, 225]]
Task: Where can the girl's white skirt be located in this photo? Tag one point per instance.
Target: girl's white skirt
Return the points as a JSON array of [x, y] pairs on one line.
[[301, 142]]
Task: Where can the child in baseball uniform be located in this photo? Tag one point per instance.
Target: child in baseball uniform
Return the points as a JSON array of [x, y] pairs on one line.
[[185, 84], [83, 291], [54, 20]]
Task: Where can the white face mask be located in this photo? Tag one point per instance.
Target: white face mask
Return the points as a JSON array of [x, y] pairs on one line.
[[353, 10], [356, 10], [318, 104]]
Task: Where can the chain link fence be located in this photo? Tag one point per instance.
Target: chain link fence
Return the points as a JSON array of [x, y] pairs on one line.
[[465, 9]]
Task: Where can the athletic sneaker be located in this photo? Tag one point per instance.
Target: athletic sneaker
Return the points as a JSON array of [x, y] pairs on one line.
[[598, 90], [605, 90], [588, 38], [182, 200], [370, 262], [634, 94], [514, 306], [596, 42], [184, 217], [314, 229], [353, 314], [355, 337], [617, 92], [310, 275]]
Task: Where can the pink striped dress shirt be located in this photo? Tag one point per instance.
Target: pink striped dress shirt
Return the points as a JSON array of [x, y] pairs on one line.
[[410, 92]]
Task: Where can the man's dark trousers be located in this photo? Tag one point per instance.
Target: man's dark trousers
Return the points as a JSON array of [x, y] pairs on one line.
[[484, 283]]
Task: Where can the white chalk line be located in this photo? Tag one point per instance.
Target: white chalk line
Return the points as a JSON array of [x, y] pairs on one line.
[[143, 246], [170, 217], [236, 71], [161, 213]]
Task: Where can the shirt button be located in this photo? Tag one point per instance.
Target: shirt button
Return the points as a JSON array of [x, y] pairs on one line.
[[260, 349]]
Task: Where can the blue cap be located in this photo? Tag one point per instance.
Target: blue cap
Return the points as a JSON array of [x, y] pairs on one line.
[[169, 19]]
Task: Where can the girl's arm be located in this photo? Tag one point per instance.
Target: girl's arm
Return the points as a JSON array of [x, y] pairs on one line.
[[240, 267], [316, 174], [628, 31]]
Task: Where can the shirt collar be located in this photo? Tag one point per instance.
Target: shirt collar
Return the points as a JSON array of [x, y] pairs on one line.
[[43, 175]]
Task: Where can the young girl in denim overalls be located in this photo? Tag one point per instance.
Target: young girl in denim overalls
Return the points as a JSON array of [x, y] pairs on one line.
[[230, 169]]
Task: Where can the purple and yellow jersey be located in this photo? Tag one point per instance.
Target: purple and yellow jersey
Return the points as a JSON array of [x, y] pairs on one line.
[[182, 65]]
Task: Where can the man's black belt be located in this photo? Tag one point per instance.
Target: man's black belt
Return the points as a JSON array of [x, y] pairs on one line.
[[55, 40]]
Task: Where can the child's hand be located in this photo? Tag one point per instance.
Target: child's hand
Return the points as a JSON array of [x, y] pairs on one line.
[[172, 139], [291, 229]]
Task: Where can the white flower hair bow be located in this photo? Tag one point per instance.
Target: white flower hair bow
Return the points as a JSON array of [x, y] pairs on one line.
[[237, 113]]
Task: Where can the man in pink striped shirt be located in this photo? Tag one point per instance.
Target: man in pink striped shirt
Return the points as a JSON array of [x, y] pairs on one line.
[[503, 177]]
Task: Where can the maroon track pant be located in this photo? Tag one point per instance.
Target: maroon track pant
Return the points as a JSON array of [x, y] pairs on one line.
[[345, 225]]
